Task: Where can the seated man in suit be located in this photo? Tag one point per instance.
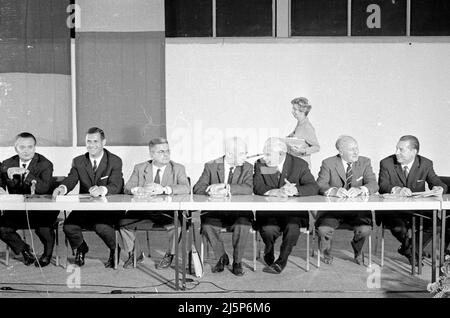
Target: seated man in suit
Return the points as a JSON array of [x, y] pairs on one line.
[[157, 176], [402, 174], [229, 174], [28, 172], [99, 173], [345, 175], [282, 175]]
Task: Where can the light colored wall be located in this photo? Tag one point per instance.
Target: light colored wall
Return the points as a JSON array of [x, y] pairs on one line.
[[374, 91]]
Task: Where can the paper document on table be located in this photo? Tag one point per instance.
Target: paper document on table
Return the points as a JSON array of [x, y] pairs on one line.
[[426, 194], [11, 197], [297, 142], [72, 198]]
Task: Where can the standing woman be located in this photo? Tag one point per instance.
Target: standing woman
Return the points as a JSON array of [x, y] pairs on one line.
[[304, 130]]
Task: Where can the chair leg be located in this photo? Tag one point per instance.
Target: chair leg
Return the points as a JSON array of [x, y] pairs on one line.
[[7, 255], [254, 249], [66, 243], [202, 247], [57, 244], [135, 251], [420, 244], [370, 250], [377, 237], [148, 243], [313, 240], [116, 251], [307, 250], [413, 241], [258, 246], [382, 245]]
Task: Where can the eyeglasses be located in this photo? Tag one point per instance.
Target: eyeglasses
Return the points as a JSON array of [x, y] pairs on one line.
[[162, 152]]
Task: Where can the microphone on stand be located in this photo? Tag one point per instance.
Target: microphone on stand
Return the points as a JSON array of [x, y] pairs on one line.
[[33, 187], [253, 156]]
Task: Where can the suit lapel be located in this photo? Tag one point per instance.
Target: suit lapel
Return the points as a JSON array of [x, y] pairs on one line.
[[32, 167], [399, 171], [412, 176], [357, 172], [166, 176], [340, 169], [237, 174], [101, 167], [148, 173], [221, 170], [284, 173], [88, 167]]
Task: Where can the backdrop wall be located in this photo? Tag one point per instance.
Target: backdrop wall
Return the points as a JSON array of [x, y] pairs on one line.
[[373, 91]]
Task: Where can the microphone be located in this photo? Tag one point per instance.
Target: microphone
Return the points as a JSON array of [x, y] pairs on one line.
[[253, 156], [33, 187]]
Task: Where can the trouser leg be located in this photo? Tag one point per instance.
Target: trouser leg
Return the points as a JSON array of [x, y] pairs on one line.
[[291, 234], [241, 230], [212, 234]]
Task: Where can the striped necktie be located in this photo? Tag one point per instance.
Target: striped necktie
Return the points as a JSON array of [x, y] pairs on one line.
[[157, 177], [349, 175], [406, 172], [230, 175]]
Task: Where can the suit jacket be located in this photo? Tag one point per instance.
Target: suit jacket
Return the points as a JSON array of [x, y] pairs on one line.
[[391, 175], [332, 174], [295, 170], [241, 183], [41, 170], [174, 176], [108, 174]]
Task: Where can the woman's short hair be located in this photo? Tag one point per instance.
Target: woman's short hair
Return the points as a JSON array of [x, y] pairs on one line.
[[303, 104]]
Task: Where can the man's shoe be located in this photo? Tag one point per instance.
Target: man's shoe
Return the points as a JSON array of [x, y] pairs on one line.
[[81, 253], [112, 258], [28, 257], [129, 262], [327, 258], [359, 259], [43, 261], [223, 261], [269, 259], [165, 262], [357, 255], [273, 269], [408, 255], [237, 269]]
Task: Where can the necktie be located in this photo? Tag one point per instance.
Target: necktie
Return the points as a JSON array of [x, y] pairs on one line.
[[406, 171], [22, 176], [95, 166], [157, 177], [230, 175], [349, 175]]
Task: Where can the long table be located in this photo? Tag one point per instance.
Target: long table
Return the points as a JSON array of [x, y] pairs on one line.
[[319, 203], [253, 203]]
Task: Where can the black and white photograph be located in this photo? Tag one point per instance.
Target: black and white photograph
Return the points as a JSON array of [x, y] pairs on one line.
[[225, 157]]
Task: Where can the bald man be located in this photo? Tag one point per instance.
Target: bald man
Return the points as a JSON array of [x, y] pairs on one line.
[[229, 174], [282, 175], [346, 175]]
